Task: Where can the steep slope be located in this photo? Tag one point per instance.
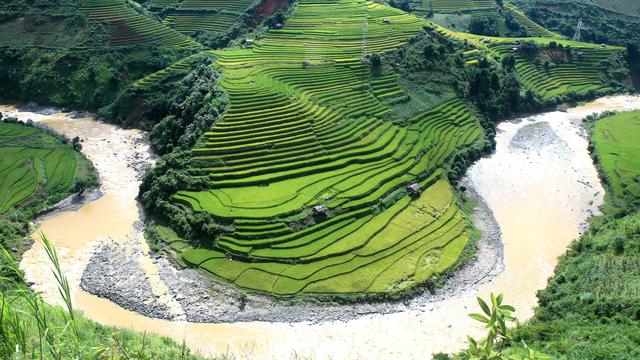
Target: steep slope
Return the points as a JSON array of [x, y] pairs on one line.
[[310, 170], [129, 25], [482, 17], [614, 22]]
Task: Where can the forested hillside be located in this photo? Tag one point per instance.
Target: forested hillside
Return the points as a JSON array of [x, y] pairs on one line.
[[604, 21], [54, 53]]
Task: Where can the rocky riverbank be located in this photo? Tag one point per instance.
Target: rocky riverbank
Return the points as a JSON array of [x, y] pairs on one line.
[[114, 273]]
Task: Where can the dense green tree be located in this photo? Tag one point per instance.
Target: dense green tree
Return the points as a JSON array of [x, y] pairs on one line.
[[485, 25]]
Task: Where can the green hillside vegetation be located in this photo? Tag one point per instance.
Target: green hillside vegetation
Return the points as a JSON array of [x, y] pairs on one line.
[[557, 70], [553, 69], [37, 169], [591, 307], [80, 54], [83, 54], [482, 17], [615, 22], [616, 139]]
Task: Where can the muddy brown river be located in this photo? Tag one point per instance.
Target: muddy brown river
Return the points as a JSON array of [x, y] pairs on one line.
[[540, 184]]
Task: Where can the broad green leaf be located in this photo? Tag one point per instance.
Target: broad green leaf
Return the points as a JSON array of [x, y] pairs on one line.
[[472, 340], [507, 307], [479, 317], [484, 306]]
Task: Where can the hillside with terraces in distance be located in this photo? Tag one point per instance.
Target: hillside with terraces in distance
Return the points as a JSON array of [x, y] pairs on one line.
[[325, 192]]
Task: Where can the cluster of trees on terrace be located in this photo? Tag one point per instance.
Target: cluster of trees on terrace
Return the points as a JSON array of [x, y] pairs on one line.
[[187, 104], [503, 23]]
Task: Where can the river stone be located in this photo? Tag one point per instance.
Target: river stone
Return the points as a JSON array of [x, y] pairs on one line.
[[114, 275], [538, 135]]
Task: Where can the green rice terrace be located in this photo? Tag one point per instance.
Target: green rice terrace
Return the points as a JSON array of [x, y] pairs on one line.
[[582, 74], [34, 165], [310, 168], [457, 5], [326, 192], [617, 147], [460, 15], [211, 15], [131, 27]]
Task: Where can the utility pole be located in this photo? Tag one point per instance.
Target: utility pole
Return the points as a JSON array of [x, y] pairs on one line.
[[578, 36]]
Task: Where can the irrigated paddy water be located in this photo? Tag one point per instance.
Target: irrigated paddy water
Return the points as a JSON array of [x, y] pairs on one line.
[[540, 184]]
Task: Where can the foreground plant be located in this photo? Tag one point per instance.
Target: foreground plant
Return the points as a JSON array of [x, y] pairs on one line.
[[497, 319], [32, 329]]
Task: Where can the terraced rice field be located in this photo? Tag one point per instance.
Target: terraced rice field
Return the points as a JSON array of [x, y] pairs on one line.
[[626, 7], [455, 5], [31, 164], [307, 126], [230, 5], [532, 27], [208, 15], [616, 138], [162, 3], [178, 68], [130, 27], [188, 22], [580, 75]]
